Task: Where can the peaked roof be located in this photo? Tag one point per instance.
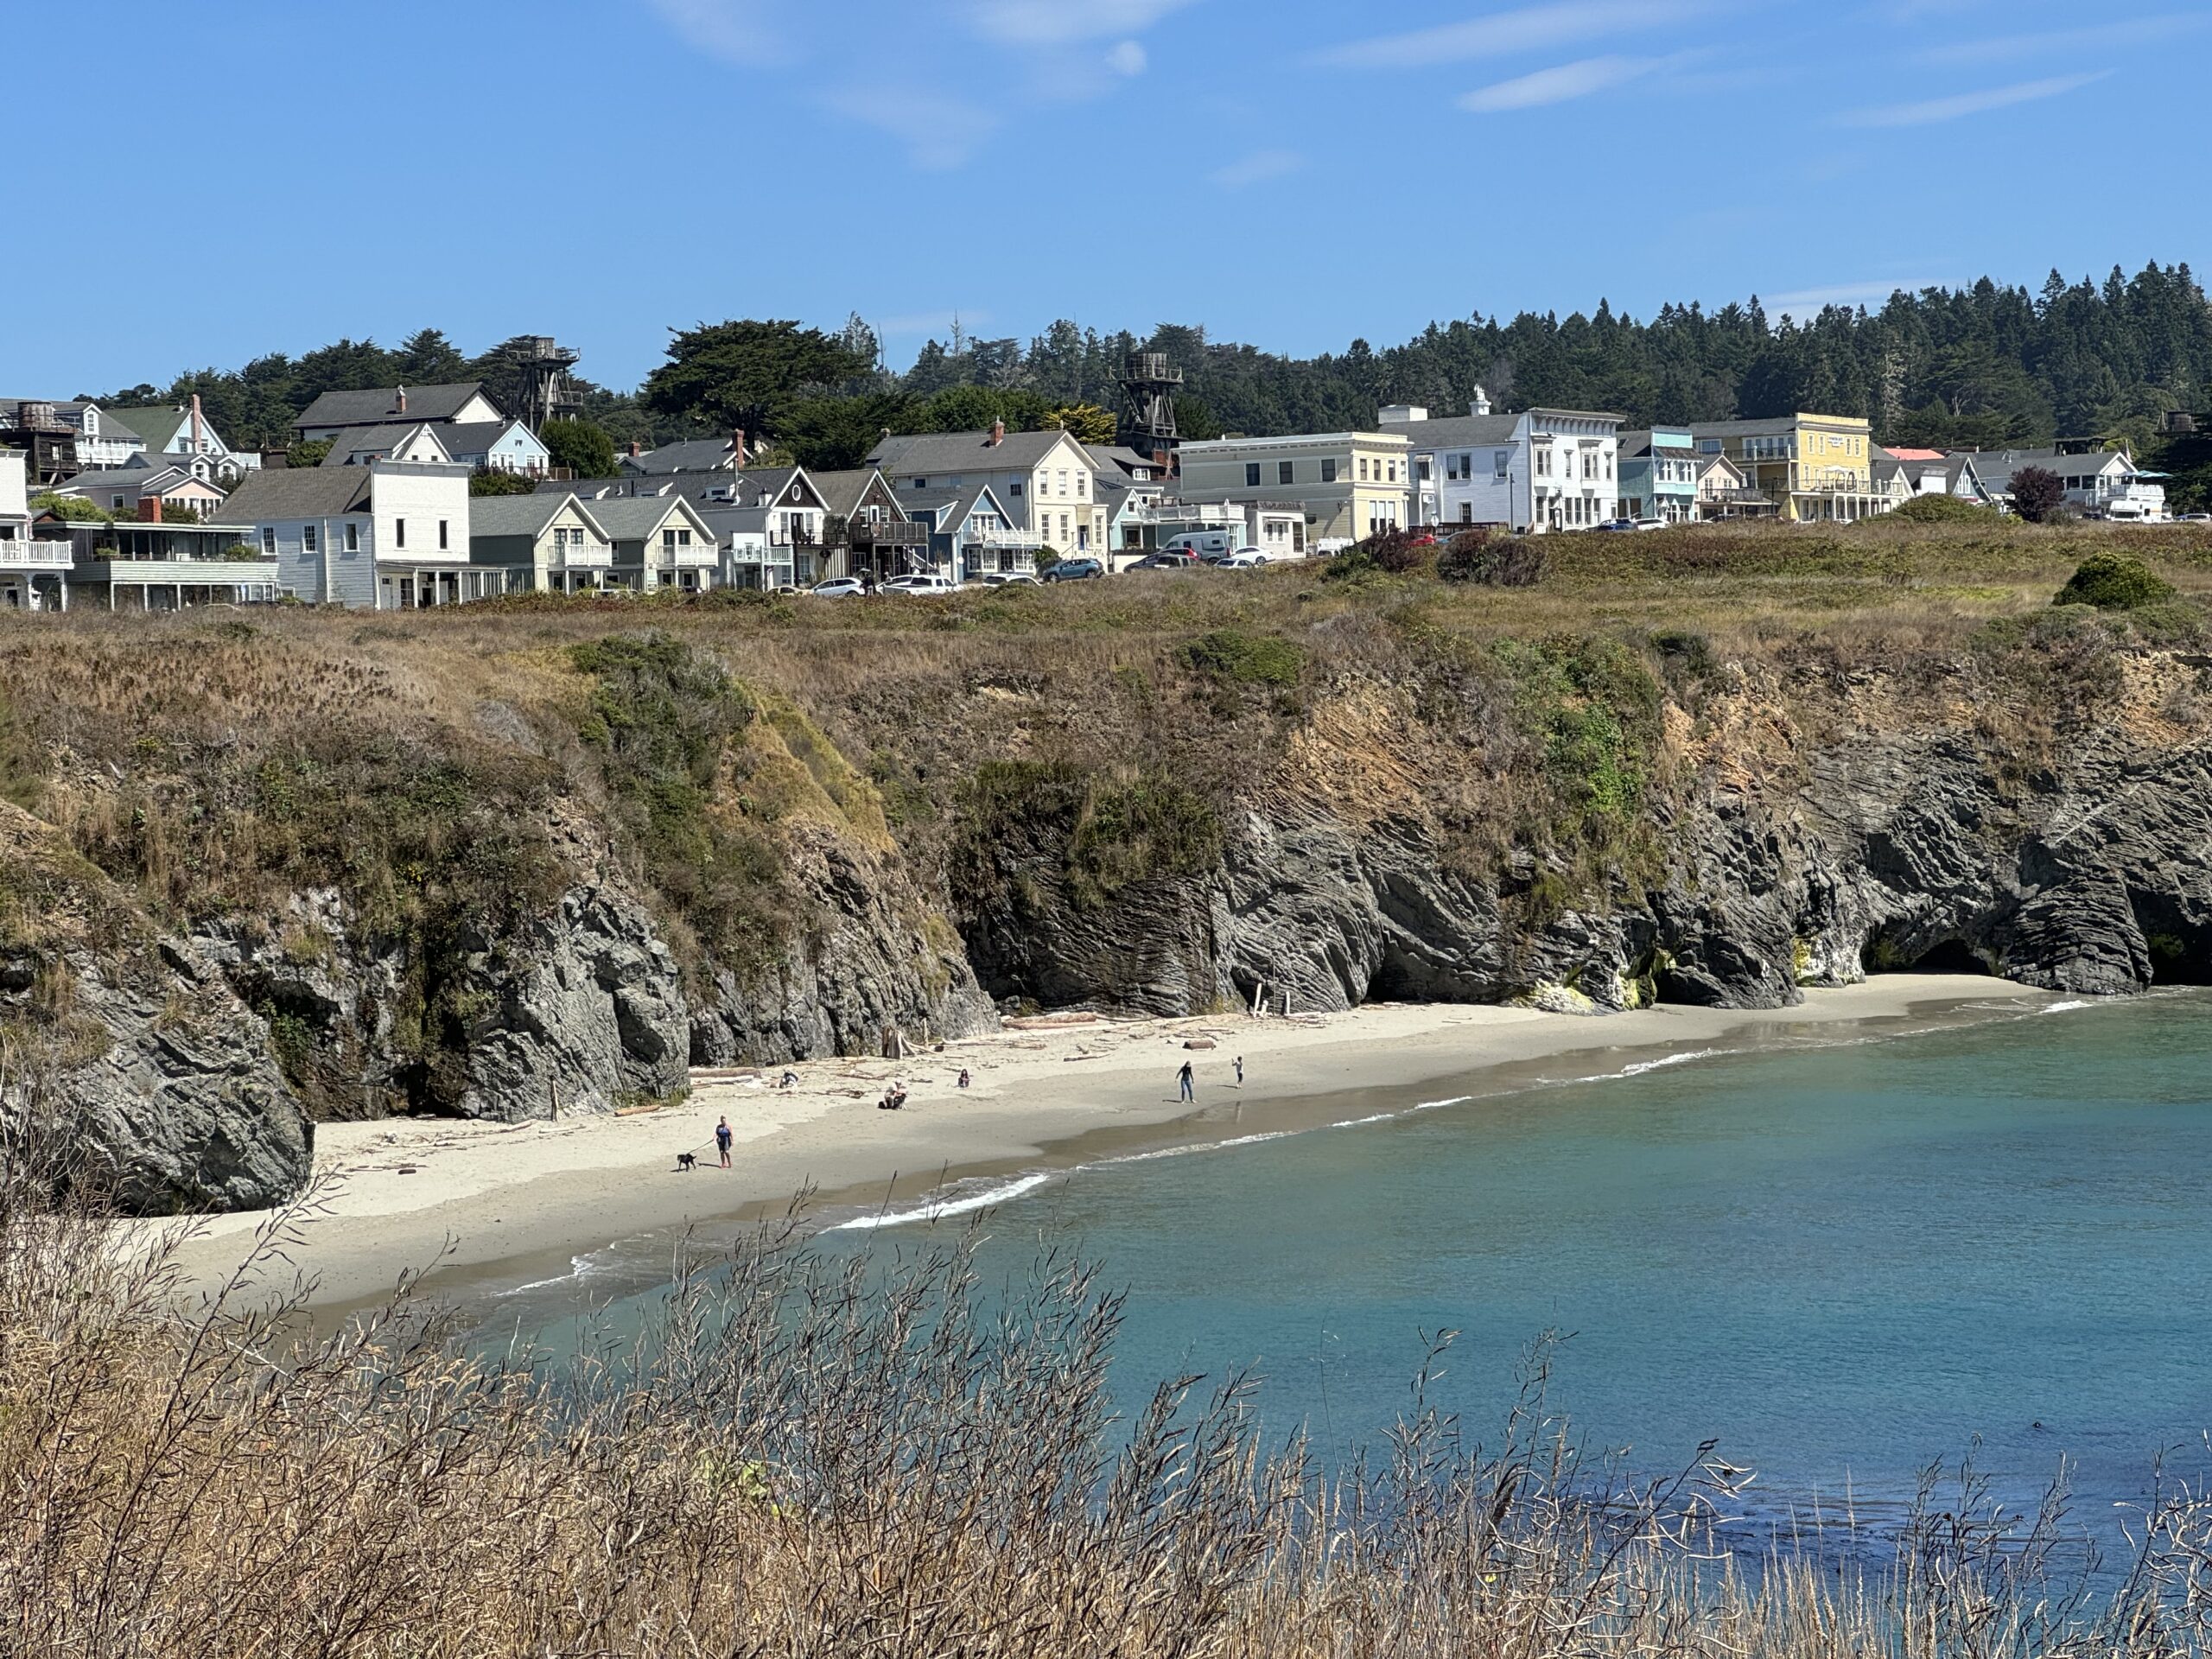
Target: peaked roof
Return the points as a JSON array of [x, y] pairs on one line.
[[299, 493], [477, 437], [68, 408], [524, 515], [140, 481], [842, 493], [924, 453], [773, 483], [356, 439], [1913, 455], [159, 424], [690, 455], [1119, 460], [1995, 467], [633, 518], [947, 510], [379, 405]]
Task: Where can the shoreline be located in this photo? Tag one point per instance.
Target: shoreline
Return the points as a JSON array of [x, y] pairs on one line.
[[475, 1206]]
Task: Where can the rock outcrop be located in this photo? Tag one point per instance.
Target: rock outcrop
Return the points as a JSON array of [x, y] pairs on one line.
[[566, 902], [874, 956], [1879, 851], [131, 1046]]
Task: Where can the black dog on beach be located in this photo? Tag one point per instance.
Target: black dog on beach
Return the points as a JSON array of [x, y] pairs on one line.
[[686, 1162]]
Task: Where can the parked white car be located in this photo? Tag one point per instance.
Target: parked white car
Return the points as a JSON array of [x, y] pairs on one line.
[[1250, 558], [1009, 579], [838, 587], [921, 585]]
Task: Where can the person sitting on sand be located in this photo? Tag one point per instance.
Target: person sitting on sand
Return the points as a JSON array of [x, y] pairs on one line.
[[963, 1077], [894, 1101], [789, 1080]]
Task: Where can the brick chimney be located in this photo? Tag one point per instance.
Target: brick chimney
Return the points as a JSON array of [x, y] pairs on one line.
[[400, 408], [737, 448], [998, 433], [637, 449], [149, 509], [195, 423]]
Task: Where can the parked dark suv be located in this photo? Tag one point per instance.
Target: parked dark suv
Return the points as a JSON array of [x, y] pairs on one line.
[[1075, 571]]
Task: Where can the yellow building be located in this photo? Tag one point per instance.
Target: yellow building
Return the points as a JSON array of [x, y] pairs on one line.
[[1810, 466]]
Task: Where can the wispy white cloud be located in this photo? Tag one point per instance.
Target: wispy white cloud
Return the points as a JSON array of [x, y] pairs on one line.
[[1066, 22], [1257, 167], [1557, 84], [930, 324], [737, 31], [1814, 299], [940, 132], [1931, 111], [1567, 23], [940, 75], [1989, 44]]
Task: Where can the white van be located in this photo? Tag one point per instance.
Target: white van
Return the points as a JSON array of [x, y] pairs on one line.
[[1207, 544]]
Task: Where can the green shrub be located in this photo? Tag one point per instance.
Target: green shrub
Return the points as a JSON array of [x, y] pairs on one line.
[[1947, 510], [1111, 835], [1692, 651], [1233, 657], [1477, 556], [665, 720], [1594, 707], [70, 509], [2114, 582]]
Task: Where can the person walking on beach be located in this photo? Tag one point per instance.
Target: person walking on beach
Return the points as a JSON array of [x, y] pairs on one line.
[[1187, 1083], [722, 1140], [1240, 1071]]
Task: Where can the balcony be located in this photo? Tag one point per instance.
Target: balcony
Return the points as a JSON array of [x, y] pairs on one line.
[[1000, 535], [904, 532], [37, 556]]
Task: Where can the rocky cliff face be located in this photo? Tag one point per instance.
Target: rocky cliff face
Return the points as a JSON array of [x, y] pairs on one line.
[[130, 1047], [1812, 863], [212, 937]]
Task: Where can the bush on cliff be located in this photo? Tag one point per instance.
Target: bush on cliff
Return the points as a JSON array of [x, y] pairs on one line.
[[664, 720], [1593, 706], [1492, 561], [2114, 582], [1110, 833], [1946, 510], [1233, 657]]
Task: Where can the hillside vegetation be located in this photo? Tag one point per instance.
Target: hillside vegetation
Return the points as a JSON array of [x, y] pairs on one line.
[[540, 855]]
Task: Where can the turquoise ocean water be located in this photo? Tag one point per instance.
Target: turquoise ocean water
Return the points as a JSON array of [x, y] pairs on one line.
[[1840, 1262]]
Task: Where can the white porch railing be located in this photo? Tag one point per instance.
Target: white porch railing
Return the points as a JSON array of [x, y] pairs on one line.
[[45, 556]]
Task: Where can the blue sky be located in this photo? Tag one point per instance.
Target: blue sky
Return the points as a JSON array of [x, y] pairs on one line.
[[1291, 172]]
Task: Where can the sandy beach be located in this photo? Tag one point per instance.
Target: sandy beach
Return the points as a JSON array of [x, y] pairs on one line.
[[464, 1199]]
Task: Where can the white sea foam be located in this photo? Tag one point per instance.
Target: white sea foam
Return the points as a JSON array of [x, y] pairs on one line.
[[1451, 1100], [580, 1267], [2065, 1006], [1637, 1068], [936, 1209]]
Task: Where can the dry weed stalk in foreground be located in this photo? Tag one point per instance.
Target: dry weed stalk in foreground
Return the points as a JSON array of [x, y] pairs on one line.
[[813, 1457]]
